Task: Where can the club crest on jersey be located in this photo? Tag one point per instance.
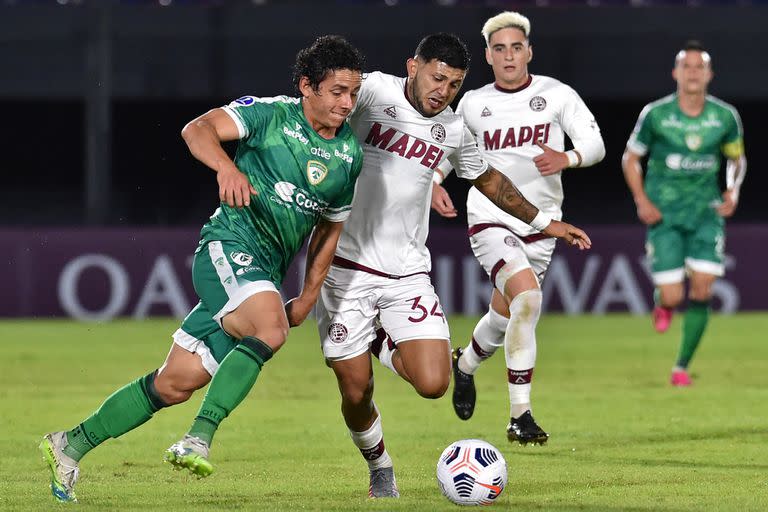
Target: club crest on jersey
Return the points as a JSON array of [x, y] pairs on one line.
[[486, 112], [337, 332], [511, 241], [316, 172], [438, 132], [537, 103], [391, 112], [693, 141], [241, 258]]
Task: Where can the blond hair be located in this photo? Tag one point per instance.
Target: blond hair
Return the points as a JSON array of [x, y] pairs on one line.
[[507, 19]]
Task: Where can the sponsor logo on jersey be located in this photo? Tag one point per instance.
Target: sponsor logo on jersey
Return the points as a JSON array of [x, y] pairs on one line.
[[285, 191], [219, 261], [345, 147], [671, 122], [404, 145], [290, 196], [344, 156], [316, 171], [296, 134], [337, 332], [692, 163], [516, 136], [391, 112], [537, 103], [693, 141], [321, 152], [245, 101], [438, 132], [241, 258], [711, 122], [486, 112]]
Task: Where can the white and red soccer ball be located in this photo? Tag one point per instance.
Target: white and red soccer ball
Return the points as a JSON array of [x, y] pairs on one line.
[[471, 472]]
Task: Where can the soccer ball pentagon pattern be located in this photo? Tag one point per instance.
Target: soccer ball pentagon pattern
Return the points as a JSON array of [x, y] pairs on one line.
[[471, 472]]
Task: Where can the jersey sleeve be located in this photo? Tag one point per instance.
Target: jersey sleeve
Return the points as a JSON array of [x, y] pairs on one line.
[[339, 209], [251, 115], [642, 135], [733, 143], [580, 125], [466, 160]]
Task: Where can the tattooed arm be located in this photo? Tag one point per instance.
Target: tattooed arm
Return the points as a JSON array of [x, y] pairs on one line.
[[504, 194]]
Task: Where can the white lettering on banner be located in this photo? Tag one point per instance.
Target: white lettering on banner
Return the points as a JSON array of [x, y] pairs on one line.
[[119, 287], [162, 287], [620, 285], [559, 278]]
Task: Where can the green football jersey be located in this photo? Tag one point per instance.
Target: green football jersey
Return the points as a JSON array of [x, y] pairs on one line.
[[684, 156], [298, 175]]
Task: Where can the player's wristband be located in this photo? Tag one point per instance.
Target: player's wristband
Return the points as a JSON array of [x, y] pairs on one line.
[[574, 159], [540, 221]]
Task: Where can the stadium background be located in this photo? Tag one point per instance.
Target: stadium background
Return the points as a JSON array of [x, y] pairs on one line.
[[101, 202]]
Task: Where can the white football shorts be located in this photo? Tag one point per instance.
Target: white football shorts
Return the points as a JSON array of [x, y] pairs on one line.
[[354, 303], [503, 253]]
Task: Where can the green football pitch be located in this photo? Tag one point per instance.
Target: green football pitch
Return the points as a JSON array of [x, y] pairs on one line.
[[621, 437]]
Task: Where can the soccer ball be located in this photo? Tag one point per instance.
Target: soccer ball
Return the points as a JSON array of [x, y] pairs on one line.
[[471, 472]]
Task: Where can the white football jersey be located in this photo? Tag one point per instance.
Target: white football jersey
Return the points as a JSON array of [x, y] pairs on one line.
[[507, 125], [388, 226]]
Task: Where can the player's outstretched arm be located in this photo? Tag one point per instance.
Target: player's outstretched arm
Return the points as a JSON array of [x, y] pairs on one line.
[[320, 251], [504, 194], [204, 136], [633, 175]]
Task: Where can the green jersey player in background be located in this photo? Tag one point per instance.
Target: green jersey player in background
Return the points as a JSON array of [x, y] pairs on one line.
[[294, 174], [684, 136]]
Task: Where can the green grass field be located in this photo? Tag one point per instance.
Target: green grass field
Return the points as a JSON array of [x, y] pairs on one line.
[[621, 437]]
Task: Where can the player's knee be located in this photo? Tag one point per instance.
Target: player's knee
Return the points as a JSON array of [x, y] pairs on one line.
[[274, 335], [526, 306], [431, 386], [173, 391], [355, 392]]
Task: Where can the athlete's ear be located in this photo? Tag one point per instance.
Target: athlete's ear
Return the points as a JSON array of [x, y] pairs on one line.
[[411, 65], [530, 53], [305, 87], [488, 58], [674, 73]]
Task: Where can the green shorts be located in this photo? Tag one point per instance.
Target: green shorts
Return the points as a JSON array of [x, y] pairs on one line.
[[224, 276], [672, 250]]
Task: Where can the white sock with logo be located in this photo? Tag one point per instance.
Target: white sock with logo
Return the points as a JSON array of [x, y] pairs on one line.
[[520, 348], [486, 338], [371, 445]]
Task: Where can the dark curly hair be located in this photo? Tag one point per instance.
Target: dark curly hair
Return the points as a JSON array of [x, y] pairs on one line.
[[446, 48], [327, 54]]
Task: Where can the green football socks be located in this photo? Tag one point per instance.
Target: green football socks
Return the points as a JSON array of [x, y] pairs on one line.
[[123, 411], [694, 323], [233, 380]]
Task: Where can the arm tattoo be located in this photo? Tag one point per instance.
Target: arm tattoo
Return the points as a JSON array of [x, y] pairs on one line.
[[504, 194]]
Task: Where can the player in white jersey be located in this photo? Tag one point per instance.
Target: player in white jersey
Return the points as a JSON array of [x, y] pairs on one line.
[[379, 277], [519, 122]]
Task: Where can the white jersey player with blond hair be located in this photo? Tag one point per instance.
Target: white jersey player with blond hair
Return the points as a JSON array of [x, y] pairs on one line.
[[520, 122], [378, 297]]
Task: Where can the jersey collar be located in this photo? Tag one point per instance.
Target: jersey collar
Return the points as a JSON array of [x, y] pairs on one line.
[[516, 89]]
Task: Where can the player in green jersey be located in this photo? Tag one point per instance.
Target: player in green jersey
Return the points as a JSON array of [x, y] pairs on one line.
[[684, 136], [294, 174]]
